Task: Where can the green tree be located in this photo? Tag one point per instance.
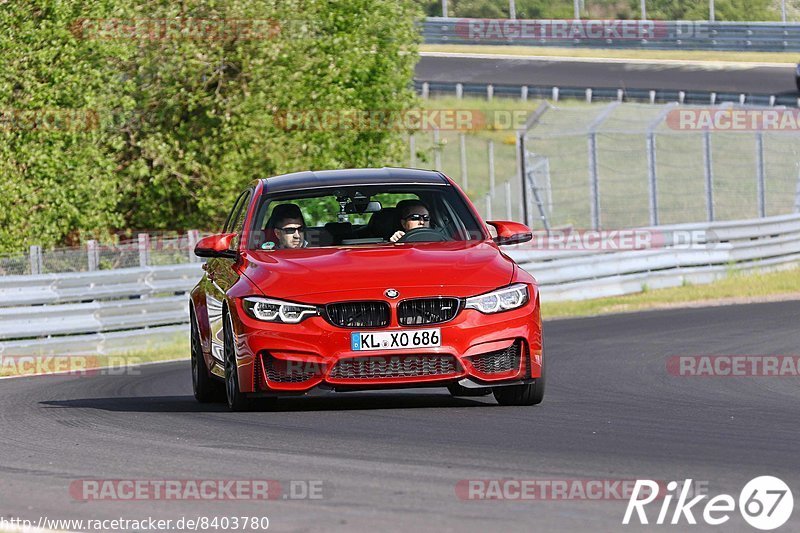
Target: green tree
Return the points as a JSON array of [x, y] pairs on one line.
[[56, 177], [185, 120]]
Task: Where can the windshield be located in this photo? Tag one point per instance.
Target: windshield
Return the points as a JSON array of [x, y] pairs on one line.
[[362, 215]]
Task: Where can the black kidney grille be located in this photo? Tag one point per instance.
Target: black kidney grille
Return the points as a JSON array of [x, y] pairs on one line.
[[423, 311], [359, 314], [498, 361]]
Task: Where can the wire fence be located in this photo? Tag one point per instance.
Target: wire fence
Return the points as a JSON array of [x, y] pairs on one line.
[[146, 250], [630, 165], [485, 166]]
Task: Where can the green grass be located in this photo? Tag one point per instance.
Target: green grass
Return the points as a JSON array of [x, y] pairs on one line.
[[177, 348], [736, 288], [678, 55]]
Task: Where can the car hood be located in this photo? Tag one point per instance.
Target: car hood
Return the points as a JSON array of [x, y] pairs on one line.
[[320, 275]]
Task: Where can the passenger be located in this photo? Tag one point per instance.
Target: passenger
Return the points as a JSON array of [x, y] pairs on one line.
[[287, 226], [413, 214]]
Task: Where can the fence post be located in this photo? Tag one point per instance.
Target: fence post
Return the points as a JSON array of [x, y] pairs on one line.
[[760, 176], [489, 92], [412, 148], [523, 176], [144, 249], [594, 196], [462, 143], [488, 207], [708, 168], [194, 236], [459, 90], [437, 150], [36, 259], [797, 192], [512, 10], [523, 93], [93, 254], [651, 175], [425, 90], [491, 168], [508, 199]]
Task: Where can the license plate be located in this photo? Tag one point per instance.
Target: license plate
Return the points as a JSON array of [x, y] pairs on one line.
[[395, 340]]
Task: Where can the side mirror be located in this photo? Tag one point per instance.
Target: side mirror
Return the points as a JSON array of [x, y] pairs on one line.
[[216, 246], [510, 232]]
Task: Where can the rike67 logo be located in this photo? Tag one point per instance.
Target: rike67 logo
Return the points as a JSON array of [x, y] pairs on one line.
[[765, 502]]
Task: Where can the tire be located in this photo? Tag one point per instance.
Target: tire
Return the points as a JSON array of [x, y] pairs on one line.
[[528, 394], [237, 400], [206, 389], [459, 390]]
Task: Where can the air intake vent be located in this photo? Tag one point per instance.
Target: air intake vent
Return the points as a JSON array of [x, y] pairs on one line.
[[499, 361], [395, 366]]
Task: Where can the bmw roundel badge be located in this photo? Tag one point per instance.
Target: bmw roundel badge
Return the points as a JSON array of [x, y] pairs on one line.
[[391, 293]]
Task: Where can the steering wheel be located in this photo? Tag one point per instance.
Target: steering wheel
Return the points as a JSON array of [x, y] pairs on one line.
[[422, 235]]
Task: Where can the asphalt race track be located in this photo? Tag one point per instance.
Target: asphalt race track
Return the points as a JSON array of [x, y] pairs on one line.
[[623, 75], [390, 461]]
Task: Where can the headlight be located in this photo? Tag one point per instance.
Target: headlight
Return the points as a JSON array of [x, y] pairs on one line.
[[500, 300], [270, 310]]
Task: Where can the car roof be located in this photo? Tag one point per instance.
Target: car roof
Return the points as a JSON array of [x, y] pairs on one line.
[[355, 176]]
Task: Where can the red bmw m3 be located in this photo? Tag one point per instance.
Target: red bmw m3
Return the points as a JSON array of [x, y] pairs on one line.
[[348, 280]]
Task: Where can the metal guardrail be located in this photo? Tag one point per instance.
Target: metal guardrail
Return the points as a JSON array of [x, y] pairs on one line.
[[630, 34], [96, 311], [606, 94], [99, 312], [745, 245]]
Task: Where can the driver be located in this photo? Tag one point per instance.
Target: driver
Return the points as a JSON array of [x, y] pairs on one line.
[[413, 214], [288, 226]]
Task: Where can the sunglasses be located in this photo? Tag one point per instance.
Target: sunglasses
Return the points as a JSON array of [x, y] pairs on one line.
[[289, 230], [416, 217]]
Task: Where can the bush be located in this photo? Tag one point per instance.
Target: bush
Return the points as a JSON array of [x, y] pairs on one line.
[[186, 123]]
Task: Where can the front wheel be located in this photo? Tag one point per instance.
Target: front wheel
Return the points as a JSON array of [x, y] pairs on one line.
[[528, 394], [237, 401]]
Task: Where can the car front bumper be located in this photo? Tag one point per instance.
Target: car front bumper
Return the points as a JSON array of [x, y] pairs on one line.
[[477, 350]]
